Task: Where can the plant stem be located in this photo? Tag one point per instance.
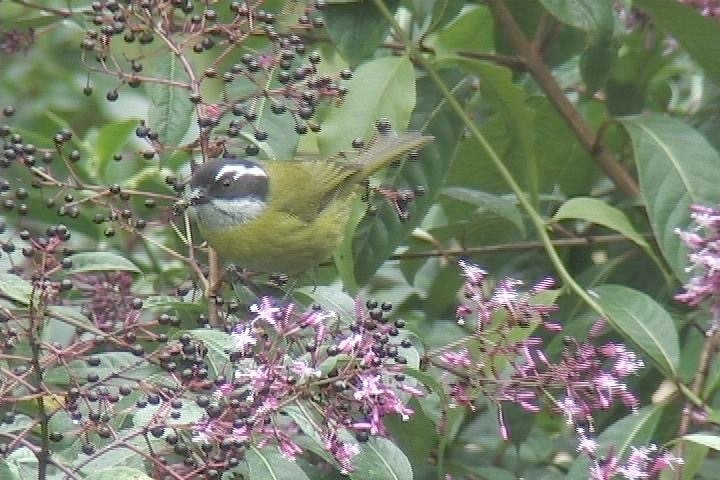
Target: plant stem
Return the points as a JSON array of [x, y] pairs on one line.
[[37, 316]]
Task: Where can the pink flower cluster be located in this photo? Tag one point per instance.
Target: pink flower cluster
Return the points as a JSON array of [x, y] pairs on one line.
[[703, 241], [297, 369]]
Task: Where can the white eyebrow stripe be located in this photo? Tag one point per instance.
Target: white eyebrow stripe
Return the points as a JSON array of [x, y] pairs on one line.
[[239, 171]]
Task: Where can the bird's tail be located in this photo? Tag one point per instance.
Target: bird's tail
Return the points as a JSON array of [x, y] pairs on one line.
[[385, 148]]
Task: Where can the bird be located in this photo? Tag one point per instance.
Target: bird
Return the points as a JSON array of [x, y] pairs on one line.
[[274, 216]]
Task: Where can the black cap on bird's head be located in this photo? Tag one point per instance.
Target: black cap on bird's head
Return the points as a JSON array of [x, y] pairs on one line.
[[229, 178]]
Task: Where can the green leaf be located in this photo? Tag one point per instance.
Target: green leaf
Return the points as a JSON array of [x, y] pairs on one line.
[[508, 100], [694, 456], [640, 319], [109, 140], [381, 88], [381, 459], [473, 30], [706, 439], [596, 211], [699, 35], [15, 288], [20, 464], [596, 63], [72, 316], [170, 111], [310, 423], [111, 365], [357, 29], [20, 422], [343, 256], [677, 168], [443, 12], [269, 464], [488, 202], [160, 414], [118, 473], [562, 161], [218, 344], [595, 16], [282, 139], [633, 430], [123, 460], [378, 236], [416, 436], [100, 262], [331, 298]]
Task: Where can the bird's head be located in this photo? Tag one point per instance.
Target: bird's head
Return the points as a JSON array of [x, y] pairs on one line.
[[229, 192]]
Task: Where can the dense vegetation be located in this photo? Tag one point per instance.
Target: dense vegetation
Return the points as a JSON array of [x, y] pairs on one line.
[[535, 294]]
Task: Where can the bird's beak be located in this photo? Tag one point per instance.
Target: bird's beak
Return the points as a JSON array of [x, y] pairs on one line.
[[199, 197]]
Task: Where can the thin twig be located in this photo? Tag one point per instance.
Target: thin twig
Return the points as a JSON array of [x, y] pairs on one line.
[[515, 246], [710, 348]]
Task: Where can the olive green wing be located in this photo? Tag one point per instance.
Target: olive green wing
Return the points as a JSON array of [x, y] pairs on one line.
[[306, 188], [302, 188]]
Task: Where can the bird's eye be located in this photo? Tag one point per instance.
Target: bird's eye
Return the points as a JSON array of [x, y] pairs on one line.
[[226, 182]]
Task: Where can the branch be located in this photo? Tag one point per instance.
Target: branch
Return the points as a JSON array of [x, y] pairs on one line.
[[510, 61], [515, 246], [543, 76]]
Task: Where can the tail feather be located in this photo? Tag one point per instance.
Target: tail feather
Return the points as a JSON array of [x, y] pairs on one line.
[[386, 148], [381, 152]]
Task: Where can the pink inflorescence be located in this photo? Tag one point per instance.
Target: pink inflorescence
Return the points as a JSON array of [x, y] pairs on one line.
[[586, 378], [707, 8], [703, 241], [643, 463], [297, 369]]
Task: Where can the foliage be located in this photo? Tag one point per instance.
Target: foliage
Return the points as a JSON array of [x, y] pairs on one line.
[[575, 150]]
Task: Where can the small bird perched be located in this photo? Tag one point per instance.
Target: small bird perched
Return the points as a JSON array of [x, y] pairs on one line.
[[286, 216]]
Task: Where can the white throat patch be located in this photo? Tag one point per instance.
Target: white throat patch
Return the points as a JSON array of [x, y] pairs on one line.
[[220, 214], [238, 171]]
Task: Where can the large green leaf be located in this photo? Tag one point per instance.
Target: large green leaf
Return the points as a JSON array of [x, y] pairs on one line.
[[381, 459], [707, 439], [269, 464], [106, 142], [357, 29], [170, 112], [640, 319], [699, 35], [15, 288], [633, 430], [508, 100], [282, 139], [562, 161], [377, 237], [381, 88], [596, 211], [219, 344], [496, 204], [473, 30], [100, 262], [596, 16], [677, 168], [118, 473], [112, 364], [443, 12], [596, 63]]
